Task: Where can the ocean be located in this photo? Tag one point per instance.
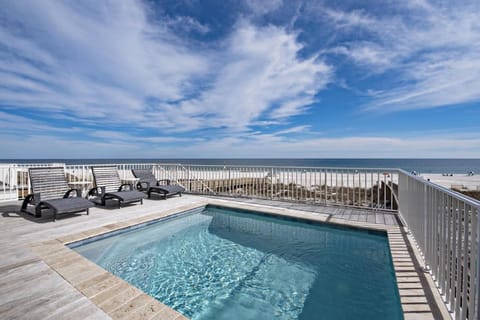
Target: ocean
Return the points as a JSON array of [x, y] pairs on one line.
[[418, 165]]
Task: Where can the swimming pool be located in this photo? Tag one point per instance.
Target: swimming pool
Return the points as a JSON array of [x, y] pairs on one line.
[[219, 263]]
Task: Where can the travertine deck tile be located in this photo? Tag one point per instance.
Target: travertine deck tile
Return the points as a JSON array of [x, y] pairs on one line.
[[120, 300], [93, 281], [404, 263], [167, 314], [404, 268], [148, 311], [96, 288], [408, 279], [407, 299], [401, 274], [414, 307], [411, 292], [110, 293], [127, 309], [410, 285], [60, 258], [419, 316]]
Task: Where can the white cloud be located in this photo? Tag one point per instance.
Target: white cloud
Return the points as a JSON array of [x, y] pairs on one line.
[[187, 24], [270, 146], [297, 129], [259, 146], [260, 76], [345, 19], [433, 50], [367, 54], [261, 7], [91, 61], [112, 65]]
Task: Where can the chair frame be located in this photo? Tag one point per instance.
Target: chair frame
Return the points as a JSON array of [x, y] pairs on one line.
[[99, 191], [146, 184], [48, 185]]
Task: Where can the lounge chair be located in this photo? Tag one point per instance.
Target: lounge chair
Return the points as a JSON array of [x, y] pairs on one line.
[[108, 186], [147, 182], [51, 191]]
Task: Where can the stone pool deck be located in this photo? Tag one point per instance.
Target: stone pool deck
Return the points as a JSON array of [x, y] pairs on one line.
[[40, 278]]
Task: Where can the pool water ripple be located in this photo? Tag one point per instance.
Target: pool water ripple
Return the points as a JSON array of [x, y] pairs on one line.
[[223, 264]]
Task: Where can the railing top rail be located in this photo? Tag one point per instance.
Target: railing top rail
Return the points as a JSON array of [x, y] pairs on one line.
[[38, 164], [111, 164], [459, 196], [210, 165], [274, 167], [80, 164]]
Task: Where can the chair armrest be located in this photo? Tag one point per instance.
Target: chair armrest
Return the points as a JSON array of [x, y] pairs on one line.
[[143, 185], [77, 191], [33, 198], [94, 192], [130, 186], [163, 182], [37, 197]]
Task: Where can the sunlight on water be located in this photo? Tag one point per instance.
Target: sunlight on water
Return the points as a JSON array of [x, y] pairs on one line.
[[223, 264]]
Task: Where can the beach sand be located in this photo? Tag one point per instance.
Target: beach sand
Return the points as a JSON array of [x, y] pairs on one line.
[[458, 181]]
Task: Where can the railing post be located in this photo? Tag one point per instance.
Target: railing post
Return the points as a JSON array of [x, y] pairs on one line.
[[15, 177], [229, 181], [188, 180], [425, 229], [477, 257], [326, 187], [271, 183]]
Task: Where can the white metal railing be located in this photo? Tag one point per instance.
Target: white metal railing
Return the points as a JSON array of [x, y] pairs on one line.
[[8, 182], [446, 229], [15, 184], [366, 188], [79, 176]]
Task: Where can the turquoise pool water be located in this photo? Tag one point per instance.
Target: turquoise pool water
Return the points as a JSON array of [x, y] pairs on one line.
[[218, 263]]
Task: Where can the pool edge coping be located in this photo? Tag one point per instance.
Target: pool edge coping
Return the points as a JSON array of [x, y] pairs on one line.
[[118, 299]]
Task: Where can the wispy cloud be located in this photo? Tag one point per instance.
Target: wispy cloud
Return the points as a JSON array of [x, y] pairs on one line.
[[187, 24], [259, 145], [433, 50], [259, 77], [271, 146], [123, 77], [263, 6], [87, 63]]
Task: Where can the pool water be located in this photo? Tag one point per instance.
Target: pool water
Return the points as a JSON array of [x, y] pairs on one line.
[[218, 263]]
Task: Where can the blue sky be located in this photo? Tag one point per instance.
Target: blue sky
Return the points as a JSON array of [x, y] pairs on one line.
[[239, 79]]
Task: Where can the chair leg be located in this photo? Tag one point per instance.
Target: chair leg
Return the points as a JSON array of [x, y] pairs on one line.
[[54, 215], [88, 211], [38, 211], [25, 203]]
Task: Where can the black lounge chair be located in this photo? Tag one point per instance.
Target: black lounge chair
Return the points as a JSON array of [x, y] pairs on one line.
[[51, 191], [147, 182], [108, 186]]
